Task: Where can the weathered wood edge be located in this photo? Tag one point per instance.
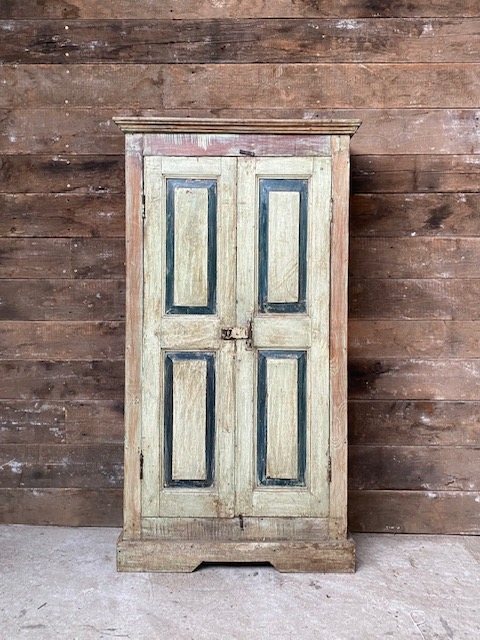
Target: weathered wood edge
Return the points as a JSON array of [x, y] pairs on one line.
[[174, 556], [133, 334], [338, 334], [139, 124]]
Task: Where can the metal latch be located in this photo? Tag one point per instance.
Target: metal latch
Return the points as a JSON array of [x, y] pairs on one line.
[[236, 333]]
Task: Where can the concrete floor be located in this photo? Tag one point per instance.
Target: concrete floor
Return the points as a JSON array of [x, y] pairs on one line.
[[62, 583]]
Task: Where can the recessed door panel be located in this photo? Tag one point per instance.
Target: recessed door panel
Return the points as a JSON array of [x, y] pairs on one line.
[[281, 418], [189, 416], [282, 239], [191, 255]]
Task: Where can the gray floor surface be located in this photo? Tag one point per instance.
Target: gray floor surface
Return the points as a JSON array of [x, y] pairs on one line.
[[62, 583]]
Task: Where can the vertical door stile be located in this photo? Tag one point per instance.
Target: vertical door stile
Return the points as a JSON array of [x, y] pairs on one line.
[[245, 358]]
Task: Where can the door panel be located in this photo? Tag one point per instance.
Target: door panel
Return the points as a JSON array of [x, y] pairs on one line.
[[283, 376], [188, 371]]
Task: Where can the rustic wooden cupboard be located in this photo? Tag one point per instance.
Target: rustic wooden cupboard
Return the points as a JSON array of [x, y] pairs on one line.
[[235, 445]]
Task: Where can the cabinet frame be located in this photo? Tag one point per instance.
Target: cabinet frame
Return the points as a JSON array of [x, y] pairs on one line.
[[328, 548]]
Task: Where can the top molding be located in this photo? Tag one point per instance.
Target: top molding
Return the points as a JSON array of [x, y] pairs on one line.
[[139, 124]]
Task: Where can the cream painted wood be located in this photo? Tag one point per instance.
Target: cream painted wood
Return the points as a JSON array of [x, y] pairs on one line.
[[282, 411], [168, 333], [283, 236], [191, 247], [253, 499], [289, 332], [189, 420]]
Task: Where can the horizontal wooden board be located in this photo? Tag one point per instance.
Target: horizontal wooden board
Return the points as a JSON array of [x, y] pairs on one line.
[[226, 86], [413, 379], [383, 132], [414, 468], [83, 466], [435, 299], [244, 40], [414, 257], [43, 422], [60, 174], [62, 258], [451, 512], [47, 380], [202, 9], [63, 507], [416, 173], [62, 300], [62, 215], [414, 422], [414, 214], [419, 338], [28, 422], [90, 421], [61, 340]]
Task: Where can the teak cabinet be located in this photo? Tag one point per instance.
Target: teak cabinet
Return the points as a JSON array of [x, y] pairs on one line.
[[236, 436]]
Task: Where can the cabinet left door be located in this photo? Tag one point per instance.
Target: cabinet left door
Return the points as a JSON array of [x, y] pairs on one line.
[[188, 404]]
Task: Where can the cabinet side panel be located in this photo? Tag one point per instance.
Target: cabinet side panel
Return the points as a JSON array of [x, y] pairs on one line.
[[133, 330], [338, 334]]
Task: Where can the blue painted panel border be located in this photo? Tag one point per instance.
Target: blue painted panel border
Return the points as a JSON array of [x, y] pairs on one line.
[[170, 358], [266, 185], [262, 418], [211, 186]]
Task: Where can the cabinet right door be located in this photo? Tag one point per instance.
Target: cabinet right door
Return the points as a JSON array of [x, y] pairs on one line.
[[282, 375]]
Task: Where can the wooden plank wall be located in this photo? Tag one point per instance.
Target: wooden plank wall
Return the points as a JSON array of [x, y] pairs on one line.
[[409, 69]]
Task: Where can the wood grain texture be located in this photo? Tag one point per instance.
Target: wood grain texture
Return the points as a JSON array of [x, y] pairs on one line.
[[62, 258], [55, 174], [415, 177], [394, 215], [133, 335], [226, 86], [414, 257], [61, 340], [285, 555], [414, 468], [338, 339], [62, 215], [189, 420], [282, 418], [58, 299], [62, 507], [61, 466], [414, 511], [57, 422], [403, 131], [437, 339], [240, 41], [29, 422], [190, 247], [414, 299], [414, 379], [416, 173], [283, 246], [150, 9], [47, 380], [414, 422]]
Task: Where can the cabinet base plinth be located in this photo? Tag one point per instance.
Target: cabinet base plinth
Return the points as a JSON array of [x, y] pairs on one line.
[[172, 556]]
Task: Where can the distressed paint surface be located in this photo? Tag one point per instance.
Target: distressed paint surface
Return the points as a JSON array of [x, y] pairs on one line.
[[189, 419], [283, 243], [191, 247]]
